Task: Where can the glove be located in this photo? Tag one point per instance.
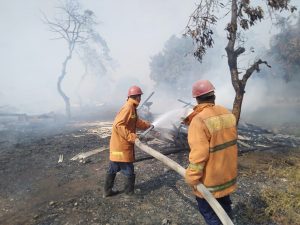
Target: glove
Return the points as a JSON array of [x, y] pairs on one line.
[[137, 140]]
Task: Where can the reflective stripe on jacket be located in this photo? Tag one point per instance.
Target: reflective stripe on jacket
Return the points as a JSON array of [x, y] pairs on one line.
[[124, 132], [212, 137]]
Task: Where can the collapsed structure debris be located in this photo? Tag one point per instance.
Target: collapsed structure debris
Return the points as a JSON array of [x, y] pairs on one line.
[[102, 129], [171, 141], [84, 155], [168, 140], [144, 109], [253, 137], [19, 116], [60, 158], [9, 120], [25, 117], [250, 138], [186, 104]]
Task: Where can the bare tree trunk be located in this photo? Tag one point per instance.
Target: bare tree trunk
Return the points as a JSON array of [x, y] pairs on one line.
[[237, 105], [232, 55], [60, 79], [75, 26]]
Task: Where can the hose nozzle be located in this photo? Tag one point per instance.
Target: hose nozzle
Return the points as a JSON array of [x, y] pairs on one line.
[[143, 135]]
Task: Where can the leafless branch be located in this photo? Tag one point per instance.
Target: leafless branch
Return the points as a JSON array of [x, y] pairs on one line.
[[254, 67], [72, 25]]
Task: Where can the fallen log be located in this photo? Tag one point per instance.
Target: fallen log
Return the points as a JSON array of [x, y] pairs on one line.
[[200, 187], [243, 143], [84, 155]]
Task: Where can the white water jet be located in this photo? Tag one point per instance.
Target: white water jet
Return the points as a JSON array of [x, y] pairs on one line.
[[170, 118]]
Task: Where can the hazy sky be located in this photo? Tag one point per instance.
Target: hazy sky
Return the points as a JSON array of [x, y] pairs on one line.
[[134, 30], [31, 62]]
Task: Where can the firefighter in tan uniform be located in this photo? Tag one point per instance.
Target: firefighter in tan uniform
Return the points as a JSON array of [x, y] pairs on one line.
[[212, 137], [122, 143]]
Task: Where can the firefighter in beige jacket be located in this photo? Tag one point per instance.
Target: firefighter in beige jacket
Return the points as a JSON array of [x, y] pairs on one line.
[[122, 143], [212, 137]]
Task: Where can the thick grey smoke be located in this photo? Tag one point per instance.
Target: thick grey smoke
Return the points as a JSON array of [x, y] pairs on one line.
[[135, 32], [175, 69], [268, 101], [31, 62]]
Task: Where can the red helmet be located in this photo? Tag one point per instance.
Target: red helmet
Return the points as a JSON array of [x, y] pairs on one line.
[[202, 87], [134, 90]]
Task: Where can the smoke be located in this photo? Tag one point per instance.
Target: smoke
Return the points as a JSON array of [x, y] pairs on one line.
[[130, 32], [175, 69], [268, 101], [275, 102], [133, 34]]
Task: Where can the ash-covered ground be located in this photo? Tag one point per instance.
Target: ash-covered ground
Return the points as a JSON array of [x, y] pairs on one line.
[[36, 189]]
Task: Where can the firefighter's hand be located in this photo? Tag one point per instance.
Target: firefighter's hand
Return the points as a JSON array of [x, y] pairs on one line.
[[137, 141]]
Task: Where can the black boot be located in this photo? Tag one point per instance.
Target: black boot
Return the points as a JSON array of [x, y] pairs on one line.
[[129, 185], [109, 183]]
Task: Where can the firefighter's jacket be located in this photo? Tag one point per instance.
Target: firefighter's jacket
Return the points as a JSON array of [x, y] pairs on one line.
[[124, 132], [212, 137]]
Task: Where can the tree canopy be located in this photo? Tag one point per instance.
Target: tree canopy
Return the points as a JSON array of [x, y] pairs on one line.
[[174, 64], [175, 68], [76, 27], [285, 49], [243, 15]]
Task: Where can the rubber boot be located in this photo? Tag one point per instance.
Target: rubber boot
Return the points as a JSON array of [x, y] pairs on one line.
[[129, 187], [108, 185]]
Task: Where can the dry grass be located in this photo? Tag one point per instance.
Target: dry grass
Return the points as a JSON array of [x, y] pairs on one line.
[[269, 187], [282, 195]]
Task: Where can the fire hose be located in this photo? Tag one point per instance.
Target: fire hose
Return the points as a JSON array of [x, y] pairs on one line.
[[200, 187]]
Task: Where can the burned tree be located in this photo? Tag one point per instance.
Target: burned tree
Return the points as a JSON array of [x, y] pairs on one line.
[[74, 27], [243, 16]]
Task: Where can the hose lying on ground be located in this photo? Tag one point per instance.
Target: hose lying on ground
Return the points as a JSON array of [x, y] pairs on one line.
[[200, 187]]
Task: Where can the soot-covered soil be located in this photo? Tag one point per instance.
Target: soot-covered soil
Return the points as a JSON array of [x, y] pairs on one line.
[[36, 189]]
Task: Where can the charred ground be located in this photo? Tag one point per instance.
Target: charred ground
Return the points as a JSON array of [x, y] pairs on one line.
[[36, 189]]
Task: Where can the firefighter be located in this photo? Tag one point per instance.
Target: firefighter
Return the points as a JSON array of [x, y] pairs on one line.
[[122, 143], [212, 137]]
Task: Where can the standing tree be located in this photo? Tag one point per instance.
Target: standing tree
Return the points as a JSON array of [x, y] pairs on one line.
[[243, 16], [172, 67], [285, 49], [75, 27]]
